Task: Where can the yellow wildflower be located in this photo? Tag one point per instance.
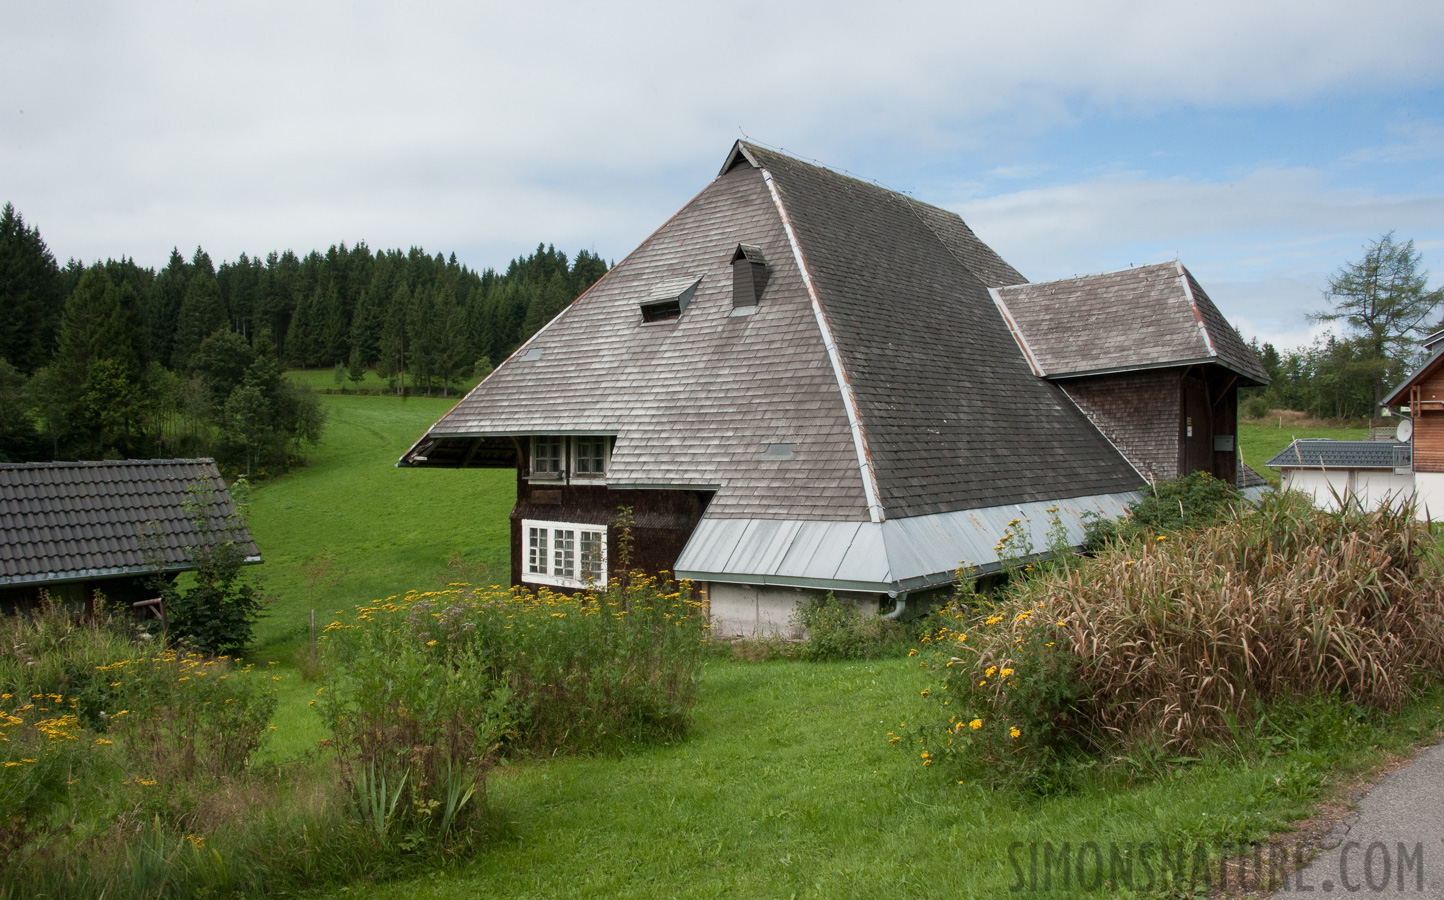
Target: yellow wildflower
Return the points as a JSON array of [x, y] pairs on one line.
[[975, 724]]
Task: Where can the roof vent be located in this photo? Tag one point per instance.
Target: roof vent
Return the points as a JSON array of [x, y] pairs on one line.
[[669, 300], [749, 276]]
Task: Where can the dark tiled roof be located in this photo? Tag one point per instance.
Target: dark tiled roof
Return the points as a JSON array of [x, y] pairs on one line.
[[1248, 478], [1321, 453], [1145, 317], [66, 521], [954, 417], [695, 400]]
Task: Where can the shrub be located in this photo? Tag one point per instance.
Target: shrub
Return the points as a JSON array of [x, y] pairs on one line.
[[837, 630], [425, 690], [1176, 642], [217, 611], [94, 729], [1197, 500]]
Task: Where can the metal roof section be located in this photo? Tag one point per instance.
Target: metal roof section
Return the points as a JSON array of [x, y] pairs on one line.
[[1145, 317], [896, 555], [1322, 453]]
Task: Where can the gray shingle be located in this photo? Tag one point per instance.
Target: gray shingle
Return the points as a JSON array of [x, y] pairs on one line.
[[1318, 453], [1143, 317], [68, 520]]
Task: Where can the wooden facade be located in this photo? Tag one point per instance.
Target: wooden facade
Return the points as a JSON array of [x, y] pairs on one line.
[[1426, 404], [663, 520], [1169, 421]]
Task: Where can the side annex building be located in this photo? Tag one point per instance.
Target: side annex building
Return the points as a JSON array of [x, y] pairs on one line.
[[803, 382]]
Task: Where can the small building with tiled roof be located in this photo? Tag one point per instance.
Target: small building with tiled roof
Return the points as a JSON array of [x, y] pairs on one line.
[[73, 528], [803, 381], [1372, 472]]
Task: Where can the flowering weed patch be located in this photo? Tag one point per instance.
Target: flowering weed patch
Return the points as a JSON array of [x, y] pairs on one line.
[[425, 690], [1178, 641]]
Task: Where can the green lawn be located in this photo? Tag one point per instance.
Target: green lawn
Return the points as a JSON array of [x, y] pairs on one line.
[[785, 786], [371, 383], [391, 529], [1260, 443]]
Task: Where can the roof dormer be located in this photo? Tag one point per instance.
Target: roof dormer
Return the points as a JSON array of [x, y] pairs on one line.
[[749, 277]]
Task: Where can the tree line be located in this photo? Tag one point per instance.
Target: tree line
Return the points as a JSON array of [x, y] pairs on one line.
[[113, 359], [1384, 307]]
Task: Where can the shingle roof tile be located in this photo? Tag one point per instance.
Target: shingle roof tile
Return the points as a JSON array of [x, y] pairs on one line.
[[62, 521]]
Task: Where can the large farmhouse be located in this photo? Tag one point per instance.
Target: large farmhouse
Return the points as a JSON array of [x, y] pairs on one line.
[[803, 382]]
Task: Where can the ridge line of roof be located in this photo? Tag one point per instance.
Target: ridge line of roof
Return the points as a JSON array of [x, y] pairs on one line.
[[96, 463], [1017, 333], [849, 398], [1086, 275], [1183, 276]]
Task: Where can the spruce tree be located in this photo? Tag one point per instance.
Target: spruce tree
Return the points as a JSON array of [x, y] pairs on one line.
[[31, 294]]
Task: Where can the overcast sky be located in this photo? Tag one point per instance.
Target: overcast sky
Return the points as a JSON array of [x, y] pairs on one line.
[[1262, 143]]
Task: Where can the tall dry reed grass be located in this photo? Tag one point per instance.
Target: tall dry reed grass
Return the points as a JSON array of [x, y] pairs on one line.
[[1181, 640]]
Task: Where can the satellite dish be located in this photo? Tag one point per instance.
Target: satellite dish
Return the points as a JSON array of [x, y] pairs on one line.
[[1404, 431]]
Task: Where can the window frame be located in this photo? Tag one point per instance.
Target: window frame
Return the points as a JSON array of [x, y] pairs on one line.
[[550, 553], [560, 473], [576, 455]]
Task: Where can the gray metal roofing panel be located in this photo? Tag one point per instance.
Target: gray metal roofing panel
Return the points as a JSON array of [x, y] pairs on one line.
[[70, 521], [1143, 317], [939, 379], [1319, 453], [694, 401], [904, 553]]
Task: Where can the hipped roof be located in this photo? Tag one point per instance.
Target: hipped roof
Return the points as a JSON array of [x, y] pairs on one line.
[[84, 520], [876, 351], [1146, 317]]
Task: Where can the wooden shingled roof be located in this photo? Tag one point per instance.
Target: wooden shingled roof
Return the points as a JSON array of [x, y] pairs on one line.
[[876, 352], [74, 521], [1138, 318]]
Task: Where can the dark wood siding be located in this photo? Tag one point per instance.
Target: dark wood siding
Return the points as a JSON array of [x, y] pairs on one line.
[[1147, 416], [663, 520], [1137, 412]]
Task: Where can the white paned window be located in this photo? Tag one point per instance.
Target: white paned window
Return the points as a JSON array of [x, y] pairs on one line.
[[546, 454], [589, 456], [536, 550], [565, 554]]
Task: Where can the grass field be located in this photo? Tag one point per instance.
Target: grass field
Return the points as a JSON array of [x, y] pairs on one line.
[[785, 786]]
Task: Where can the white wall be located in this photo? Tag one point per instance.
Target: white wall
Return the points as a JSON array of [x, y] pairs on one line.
[[1372, 487], [760, 610], [1429, 495], [1320, 485]]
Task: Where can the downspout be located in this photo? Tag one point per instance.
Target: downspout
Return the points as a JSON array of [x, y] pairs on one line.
[[902, 604]]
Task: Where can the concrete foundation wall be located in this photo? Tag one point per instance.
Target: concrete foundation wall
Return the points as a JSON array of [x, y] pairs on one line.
[[761, 611], [1372, 487]]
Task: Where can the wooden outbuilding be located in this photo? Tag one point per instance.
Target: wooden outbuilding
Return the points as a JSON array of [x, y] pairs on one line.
[[74, 528]]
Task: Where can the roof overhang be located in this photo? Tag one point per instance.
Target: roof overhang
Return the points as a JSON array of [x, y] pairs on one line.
[[41, 579], [904, 554], [1400, 395], [1168, 364]]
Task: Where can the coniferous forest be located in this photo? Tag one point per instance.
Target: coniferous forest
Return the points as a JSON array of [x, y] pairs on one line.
[[114, 360]]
